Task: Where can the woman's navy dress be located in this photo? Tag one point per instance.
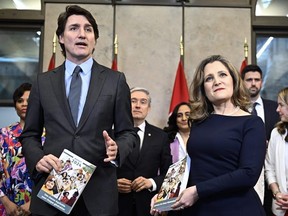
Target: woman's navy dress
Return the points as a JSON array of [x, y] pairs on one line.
[[227, 156]]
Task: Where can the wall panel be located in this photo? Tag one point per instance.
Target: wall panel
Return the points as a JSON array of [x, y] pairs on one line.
[[149, 38]]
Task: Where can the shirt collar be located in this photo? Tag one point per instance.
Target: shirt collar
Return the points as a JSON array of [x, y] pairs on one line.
[[259, 101], [142, 126], [86, 66]]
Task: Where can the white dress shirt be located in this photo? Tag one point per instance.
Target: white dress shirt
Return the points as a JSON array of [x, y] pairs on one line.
[[141, 135], [260, 185], [260, 108]]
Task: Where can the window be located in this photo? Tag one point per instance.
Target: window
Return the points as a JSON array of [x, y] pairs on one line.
[[270, 36], [271, 8], [272, 55], [19, 59], [21, 4]]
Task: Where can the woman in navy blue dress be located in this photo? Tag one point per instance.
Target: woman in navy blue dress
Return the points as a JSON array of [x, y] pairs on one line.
[[227, 145]]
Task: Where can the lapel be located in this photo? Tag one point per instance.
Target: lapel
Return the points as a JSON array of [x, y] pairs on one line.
[[95, 86], [57, 79], [146, 140]]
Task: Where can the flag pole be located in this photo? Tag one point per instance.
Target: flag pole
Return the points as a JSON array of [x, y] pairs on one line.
[[115, 39], [114, 25], [246, 50], [116, 45], [181, 47], [183, 27], [115, 53], [54, 43], [51, 65], [245, 61]]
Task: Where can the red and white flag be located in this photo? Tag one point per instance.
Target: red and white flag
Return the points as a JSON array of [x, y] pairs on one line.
[[53, 57], [114, 63], [52, 62], [243, 65], [180, 89]]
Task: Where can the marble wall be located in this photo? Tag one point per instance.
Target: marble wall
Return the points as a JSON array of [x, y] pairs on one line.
[[149, 39]]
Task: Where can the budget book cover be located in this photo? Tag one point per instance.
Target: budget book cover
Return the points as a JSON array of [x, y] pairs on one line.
[[63, 189], [174, 183]]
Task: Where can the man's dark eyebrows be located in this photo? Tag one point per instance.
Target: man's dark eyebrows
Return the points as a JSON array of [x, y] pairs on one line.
[[74, 25], [88, 25]]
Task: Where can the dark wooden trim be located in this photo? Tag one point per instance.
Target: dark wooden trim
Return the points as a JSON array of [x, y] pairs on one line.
[[21, 16], [194, 3]]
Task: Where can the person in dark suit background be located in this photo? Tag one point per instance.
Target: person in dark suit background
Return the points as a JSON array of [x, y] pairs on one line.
[[266, 109], [142, 174], [104, 104]]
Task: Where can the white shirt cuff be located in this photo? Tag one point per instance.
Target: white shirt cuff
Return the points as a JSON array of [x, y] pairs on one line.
[[154, 186]]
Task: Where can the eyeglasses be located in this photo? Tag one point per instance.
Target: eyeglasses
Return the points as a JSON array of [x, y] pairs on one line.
[[142, 101]]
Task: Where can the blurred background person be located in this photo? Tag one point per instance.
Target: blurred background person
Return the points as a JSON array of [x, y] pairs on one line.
[[226, 145], [276, 163], [266, 110], [178, 130], [178, 133], [15, 183], [141, 175]]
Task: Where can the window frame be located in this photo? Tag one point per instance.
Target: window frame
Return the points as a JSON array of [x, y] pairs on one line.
[[22, 20]]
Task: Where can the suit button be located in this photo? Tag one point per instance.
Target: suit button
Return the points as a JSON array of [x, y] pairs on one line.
[[76, 137]]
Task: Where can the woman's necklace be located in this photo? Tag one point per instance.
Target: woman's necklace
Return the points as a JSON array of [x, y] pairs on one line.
[[237, 108]]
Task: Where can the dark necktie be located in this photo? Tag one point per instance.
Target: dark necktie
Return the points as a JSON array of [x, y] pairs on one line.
[[75, 92], [254, 111], [136, 150]]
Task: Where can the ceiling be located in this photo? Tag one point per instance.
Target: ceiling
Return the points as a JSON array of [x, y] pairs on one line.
[[263, 7]]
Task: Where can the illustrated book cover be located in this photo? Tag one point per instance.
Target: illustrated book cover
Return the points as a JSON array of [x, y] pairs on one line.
[[63, 189], [174, 183]]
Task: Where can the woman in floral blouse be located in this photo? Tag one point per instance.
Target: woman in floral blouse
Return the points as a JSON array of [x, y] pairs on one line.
[[15, 182]]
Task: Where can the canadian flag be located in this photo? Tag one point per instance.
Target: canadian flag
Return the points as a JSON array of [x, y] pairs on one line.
[[180, 89], [114, 63], [244, 64], [52, 62], [115, 55]]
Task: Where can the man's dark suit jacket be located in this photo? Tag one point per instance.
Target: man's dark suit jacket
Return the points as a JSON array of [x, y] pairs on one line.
[[153, 162], [107, 104], [270, 115]]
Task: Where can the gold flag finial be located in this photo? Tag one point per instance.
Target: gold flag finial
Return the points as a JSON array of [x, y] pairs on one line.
[[116, 45], [54, 42], [245, 48], [181, 46]]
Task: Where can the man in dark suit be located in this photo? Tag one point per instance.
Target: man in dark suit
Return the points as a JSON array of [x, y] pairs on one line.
[[143, 172], [266, 109], [104, 104]]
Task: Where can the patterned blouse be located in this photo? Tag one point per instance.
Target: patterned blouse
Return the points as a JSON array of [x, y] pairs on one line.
[[15, 181]]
